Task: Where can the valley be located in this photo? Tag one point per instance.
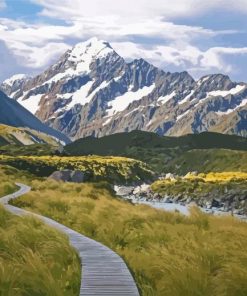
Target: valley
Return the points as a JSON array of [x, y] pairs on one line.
[[148, 166], [162, 244]]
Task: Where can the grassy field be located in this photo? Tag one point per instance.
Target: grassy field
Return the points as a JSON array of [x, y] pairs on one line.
[[113, 169], [168, 253], [7, 185], [35, 259]]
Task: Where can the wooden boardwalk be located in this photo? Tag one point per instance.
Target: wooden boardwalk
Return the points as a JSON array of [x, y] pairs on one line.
[[103, 271]]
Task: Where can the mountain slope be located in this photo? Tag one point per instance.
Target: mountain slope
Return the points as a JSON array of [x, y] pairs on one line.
[[24, 136], [170, 154], [91, 90], [13, 114], [118, 143]]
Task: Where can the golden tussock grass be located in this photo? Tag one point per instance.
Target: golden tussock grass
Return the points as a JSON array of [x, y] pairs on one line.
[[35, 259], [168, 253], [6, 185]]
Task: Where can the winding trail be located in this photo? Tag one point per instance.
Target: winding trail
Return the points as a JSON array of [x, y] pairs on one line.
[[103, 271]]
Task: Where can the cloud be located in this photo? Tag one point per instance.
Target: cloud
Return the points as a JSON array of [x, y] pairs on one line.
[[189, 57], [128, 26], [139, 8], [28, 41]]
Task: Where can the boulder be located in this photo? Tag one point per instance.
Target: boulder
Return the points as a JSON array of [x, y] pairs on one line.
[[216, 203], [124, 190], [68, 176]]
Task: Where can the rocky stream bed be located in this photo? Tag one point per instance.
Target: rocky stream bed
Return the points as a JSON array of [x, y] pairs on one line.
[[229, 204]]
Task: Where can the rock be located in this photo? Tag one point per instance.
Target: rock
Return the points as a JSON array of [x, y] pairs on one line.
[[168, 200], [68, 176], [188, 200], [216, 203], [137, 190], [124, 190], [156, 196], [209, 205]]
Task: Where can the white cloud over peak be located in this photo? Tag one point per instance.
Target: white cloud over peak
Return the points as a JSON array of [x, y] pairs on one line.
[[189, 57], [140, 28], [27, 40]]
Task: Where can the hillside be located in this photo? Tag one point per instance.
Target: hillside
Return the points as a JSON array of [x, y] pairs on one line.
[[15, 115], [116, 170], [24, 141], [212, 160], [120, 142], [24, 136], [169, 154]]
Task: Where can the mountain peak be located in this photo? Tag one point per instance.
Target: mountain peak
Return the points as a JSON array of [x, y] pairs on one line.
[[216, 82], [96, 42], [83, 54], [16, 77], [89, 50]]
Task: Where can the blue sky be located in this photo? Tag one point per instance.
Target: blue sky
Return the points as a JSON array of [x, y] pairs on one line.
[[177, 35]]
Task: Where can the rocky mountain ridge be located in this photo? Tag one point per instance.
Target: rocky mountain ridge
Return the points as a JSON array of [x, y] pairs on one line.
[[92, 91]]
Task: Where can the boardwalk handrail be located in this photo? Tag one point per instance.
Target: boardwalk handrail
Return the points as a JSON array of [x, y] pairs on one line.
[[103, 271]]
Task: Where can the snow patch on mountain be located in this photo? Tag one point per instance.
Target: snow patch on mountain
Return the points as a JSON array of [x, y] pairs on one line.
[[108, 120], [186, 99], [103, 85], [224, 93], [32, 103], [167, 98], [202, 80], [122, 102], [81, 96], [150, 122], [69, 73], [183, 114]]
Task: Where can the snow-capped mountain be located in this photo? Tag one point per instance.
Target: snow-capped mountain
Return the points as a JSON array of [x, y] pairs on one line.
[[91, 90], [12, 85]]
